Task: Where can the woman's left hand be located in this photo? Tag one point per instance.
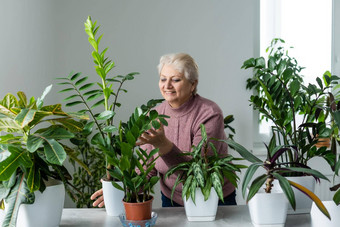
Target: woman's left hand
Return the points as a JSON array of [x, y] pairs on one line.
[[157, 138]]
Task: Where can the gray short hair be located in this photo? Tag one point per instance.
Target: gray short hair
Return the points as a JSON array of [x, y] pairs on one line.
[[182, 62]]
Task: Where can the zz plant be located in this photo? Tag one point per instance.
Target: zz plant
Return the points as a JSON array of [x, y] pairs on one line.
[[206, 169], [134, 164], [31, 148]]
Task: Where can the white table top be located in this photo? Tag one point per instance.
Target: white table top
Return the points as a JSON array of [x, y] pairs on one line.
[[236, 216]]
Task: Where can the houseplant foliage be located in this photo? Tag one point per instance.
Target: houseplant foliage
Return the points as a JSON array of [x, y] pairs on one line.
[[116, 141], [86, 184], [134, 164], [206, 169], [276, 169], [281, 96], [104, 97], [31, 148]]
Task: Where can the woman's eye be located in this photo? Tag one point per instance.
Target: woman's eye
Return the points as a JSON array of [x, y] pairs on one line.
[[176, 80], [163, 79]]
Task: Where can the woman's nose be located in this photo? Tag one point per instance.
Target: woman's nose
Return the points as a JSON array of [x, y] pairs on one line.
[[168, 84]]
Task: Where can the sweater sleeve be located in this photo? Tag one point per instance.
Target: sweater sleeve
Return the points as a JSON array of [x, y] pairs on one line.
[[214, 128]]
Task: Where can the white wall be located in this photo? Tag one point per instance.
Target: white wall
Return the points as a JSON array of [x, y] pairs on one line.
[[45, 39]]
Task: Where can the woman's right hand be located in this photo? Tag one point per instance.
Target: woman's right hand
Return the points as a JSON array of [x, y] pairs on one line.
[[99, 198]]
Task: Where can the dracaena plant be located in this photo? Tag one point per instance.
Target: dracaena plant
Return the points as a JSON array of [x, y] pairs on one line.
[[101, 102], [206, 169], [281, 95], [31, 148], [134, 164], [276, 168]]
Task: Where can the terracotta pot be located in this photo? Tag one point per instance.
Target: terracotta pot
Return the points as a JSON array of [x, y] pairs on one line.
[[138, 211]]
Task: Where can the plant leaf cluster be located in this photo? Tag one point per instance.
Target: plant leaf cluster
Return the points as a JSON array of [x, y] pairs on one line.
[[206, 169], [31, 148], [135, 164], [86, 184], [281, 95], [276, 169]]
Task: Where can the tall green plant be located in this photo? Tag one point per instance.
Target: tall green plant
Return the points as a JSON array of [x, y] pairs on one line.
[[31, 149], [281, 95], [105, 96]]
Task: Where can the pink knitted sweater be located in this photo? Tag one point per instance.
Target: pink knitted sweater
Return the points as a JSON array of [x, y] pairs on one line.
[[184, 131]]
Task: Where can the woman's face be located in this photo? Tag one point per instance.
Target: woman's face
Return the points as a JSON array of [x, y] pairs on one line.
[[174, 87]]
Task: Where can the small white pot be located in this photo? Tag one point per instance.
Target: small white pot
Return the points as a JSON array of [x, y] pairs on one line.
[[46, 210], [203, 210], [268, 209], [113, 198], [319, 219], [303, 202]]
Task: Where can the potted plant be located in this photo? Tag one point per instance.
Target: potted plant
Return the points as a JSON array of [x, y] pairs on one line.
[[134, 164], [268, 205], [31, 154], [101, 104], [207, 169], [298, 111]]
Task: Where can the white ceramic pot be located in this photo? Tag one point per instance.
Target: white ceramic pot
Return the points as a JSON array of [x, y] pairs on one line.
[[319, 219], [113, 198], [303, 202], [203, 210], [268, 209], [46, 210]]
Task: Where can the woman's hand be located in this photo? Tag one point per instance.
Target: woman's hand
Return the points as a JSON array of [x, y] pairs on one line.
[[157, 138], [98, 197]]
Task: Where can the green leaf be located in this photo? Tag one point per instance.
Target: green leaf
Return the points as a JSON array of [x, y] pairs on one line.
[[86, 86], [82, 80], [70, 97], [10, 164], [33, 179], [33, 143], [108, 114], [256, 185], [216, 182], [242, 151], [287, 189], [73, 103], [25, 117], [70, 124], [19, 195], [336, 197], [198, 174], [66, 90], [75, 76], [54, 152]]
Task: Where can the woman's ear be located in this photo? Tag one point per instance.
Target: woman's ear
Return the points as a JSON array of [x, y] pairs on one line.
[[194, 85]]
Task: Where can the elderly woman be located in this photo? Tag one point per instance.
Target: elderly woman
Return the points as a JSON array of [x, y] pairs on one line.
[[187, 110]]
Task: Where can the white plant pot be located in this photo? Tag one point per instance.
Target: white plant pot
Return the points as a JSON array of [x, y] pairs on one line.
[[203, 210], [268, 209], [46, 210], [113, 198], [303, 202], [319, 219]]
